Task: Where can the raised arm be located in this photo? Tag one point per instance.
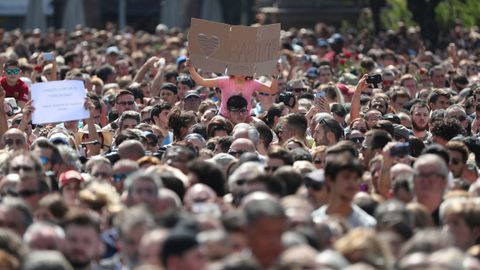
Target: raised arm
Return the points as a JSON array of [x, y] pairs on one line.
[[143, 69], [272, 88], [27, 111], [3, 116], [211, 83], [92, 130], [355, 109]]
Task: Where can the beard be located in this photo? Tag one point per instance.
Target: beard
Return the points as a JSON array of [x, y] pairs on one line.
[[78, 263], [419, 128]]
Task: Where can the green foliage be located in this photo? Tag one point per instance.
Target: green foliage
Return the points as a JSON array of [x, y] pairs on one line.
[[395, 12], [467, 11]]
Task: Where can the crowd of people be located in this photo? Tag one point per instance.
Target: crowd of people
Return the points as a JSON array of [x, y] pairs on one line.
[[361, 153]]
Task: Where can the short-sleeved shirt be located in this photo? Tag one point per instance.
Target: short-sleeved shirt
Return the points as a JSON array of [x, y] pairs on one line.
[[358, 218], [229, 88], [19, 91]]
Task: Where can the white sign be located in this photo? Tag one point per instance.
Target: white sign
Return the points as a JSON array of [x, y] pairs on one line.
[[58, 101]]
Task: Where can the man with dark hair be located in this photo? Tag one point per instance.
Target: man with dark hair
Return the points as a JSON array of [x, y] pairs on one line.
[[265, 138], [438, 99], [237, 110], [292, 125], [168, 92], [342, 174], [82, 239], [159, 116], [458, 152], [445, 130], [11, 83], [181, 251], [265, 223], [277, 157], [327, 132], [420, 114], [437, 76], [128, 120], [107, 74], [72, 60], [399, 96], [375, 140]]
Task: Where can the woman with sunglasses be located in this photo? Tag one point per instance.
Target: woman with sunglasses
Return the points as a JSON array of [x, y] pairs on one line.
[[233, 85]]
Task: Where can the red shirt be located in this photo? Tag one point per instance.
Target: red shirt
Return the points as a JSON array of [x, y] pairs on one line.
[[19, 91]]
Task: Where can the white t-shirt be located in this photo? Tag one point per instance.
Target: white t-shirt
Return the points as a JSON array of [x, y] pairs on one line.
[[358, 218]]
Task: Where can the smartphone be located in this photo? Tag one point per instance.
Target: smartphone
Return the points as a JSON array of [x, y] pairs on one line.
[[48, 56], [400, 150]]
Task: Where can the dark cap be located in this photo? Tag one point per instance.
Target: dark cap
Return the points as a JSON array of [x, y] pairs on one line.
[[170, 86], [177, 244], [191, 93], [312, 72], [392, 118], [236, 102], [336, 39]]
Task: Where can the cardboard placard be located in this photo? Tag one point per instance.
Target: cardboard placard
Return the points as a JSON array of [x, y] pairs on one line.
[[234, 50]]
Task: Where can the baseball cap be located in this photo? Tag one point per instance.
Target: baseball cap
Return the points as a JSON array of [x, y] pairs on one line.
[[236, 102], [70, 177], [181, 59], [336, 39], [170, 86], [113, 50], [312, 72], [400, 131], [191, 93]]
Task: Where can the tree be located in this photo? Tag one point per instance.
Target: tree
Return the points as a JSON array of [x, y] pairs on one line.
[[423, 12]]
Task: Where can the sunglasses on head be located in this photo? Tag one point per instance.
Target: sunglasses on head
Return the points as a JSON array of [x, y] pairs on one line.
[[15, 71]]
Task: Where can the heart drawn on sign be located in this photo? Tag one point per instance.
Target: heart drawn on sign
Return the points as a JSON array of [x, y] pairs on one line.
[[208, 45]]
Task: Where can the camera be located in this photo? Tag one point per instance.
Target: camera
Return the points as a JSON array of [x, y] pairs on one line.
[[400, 150], [374, 79], [287, 98]]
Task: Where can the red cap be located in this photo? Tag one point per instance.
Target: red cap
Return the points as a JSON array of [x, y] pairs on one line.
[[69, 177]]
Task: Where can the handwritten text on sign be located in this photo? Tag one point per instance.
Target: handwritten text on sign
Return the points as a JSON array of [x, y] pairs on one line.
[[58, 101]]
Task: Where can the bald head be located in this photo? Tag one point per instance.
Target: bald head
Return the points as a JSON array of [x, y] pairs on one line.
[[131, 149], [242, 145], [400, 169], [198, 193]]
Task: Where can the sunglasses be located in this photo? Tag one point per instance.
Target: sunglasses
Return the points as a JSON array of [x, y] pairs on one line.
[[264, 94], [357, 139], [15, 71], [119, 177], [16, 169], [11, 142], [125, 103], [318, 161], [236, 153], [299, 90], [270, 168], [317, 186], [362, 130], [244, 110], [44, 160], [27, 193]]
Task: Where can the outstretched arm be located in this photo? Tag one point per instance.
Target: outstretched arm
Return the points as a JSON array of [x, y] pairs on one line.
[[355, 109], [143, 70], [211, 83]]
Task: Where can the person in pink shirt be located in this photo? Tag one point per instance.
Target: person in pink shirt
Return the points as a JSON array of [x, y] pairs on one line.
[[233, 85]]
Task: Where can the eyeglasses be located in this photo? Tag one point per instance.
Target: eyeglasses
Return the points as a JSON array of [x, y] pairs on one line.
[[15, 71], [11, 142], [264, 94], [125, 103], [317, 186], [357, 139], [236, 153], [27, 193]]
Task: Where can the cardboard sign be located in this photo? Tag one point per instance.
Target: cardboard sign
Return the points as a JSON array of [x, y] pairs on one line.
[[234, 50]]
